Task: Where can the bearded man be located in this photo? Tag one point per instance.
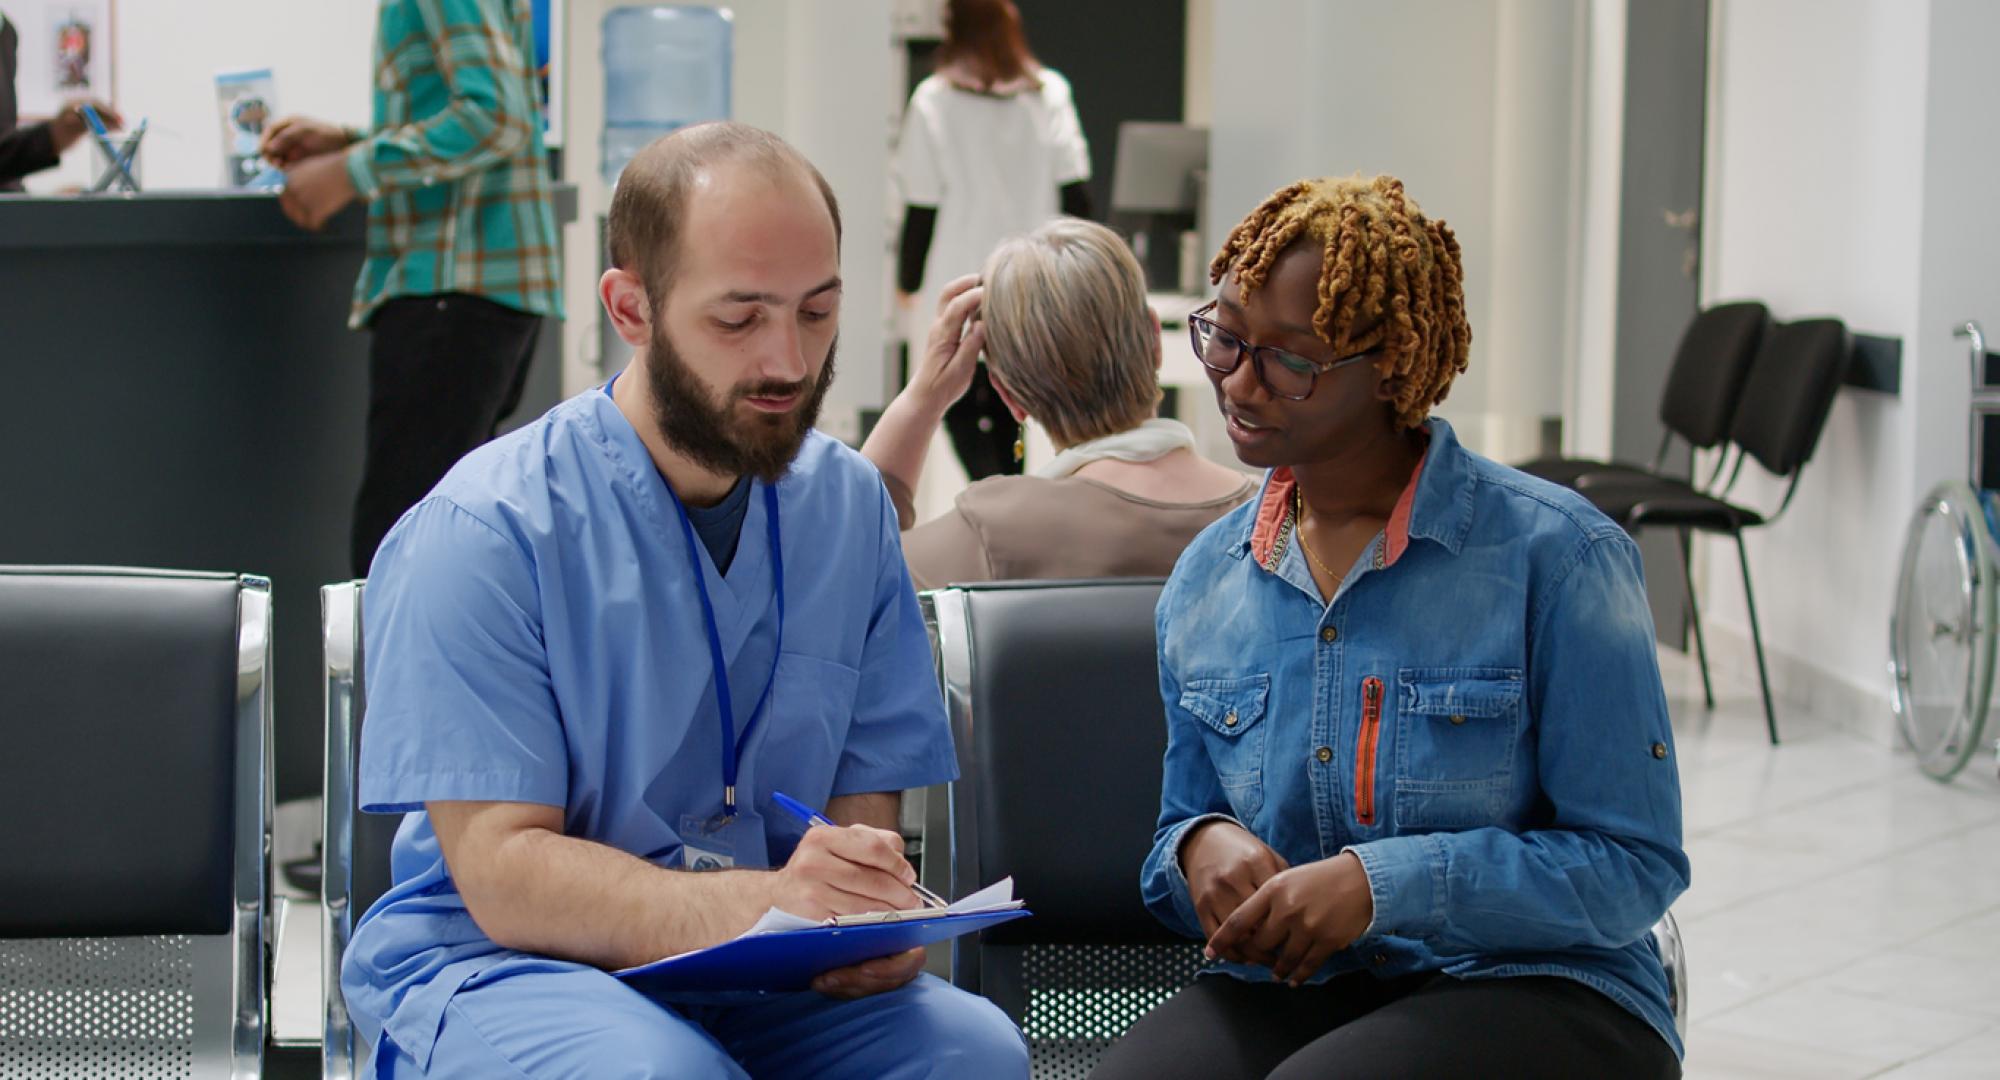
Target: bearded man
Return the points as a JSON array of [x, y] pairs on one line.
[[597, 648]]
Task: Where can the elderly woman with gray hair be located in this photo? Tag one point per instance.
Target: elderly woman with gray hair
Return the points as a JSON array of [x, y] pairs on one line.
[[1069, 341]]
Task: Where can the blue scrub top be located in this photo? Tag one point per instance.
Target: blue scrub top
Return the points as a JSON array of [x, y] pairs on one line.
[[534, 635]]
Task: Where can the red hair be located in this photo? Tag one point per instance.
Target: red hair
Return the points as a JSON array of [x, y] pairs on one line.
[[984, 37]]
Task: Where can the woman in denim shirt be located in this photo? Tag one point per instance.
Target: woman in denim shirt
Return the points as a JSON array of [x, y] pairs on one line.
[[1420, 794]]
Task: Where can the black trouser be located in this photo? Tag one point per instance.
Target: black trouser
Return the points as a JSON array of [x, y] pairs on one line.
[[982, 430], [1416, 1026], [443, 371]]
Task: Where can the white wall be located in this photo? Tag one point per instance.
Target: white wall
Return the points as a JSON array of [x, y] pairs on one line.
[[169, 51], [820, 75], [1425, 90], [1197, 82], [1816, 204], [1589, 382], [839, 81], [1539, 49], [1960, 269]]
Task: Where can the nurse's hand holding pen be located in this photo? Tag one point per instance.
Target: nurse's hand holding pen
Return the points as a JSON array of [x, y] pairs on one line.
[[850, 870], [846, 870]]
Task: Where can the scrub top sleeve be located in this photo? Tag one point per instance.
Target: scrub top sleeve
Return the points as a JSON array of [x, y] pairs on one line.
[[460, 702], [916, 157], [1072, 150], [898, 737]]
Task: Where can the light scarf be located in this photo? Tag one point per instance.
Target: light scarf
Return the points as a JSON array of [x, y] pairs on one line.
[[1150, 441]]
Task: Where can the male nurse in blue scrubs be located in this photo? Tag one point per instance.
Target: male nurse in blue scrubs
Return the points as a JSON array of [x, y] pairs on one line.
[[603, 641]]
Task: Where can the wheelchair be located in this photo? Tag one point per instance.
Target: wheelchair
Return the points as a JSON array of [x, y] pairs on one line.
[[1941, 642]]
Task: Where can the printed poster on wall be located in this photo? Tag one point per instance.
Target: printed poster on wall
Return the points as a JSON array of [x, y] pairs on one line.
[[66, 52]]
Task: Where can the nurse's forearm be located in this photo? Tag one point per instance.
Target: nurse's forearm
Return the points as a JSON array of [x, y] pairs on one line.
[[879, 809], [531, 888]]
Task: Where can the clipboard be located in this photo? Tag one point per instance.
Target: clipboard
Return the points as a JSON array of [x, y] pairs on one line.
[[788, 960]]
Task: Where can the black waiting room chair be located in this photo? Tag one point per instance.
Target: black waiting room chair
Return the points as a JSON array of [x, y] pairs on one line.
[[1697, 406], [1780, 413], [135, 811], [1054, 697], [1699, 399]]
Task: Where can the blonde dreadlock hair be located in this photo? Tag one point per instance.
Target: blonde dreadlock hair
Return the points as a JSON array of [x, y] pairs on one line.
[[1389, 278]]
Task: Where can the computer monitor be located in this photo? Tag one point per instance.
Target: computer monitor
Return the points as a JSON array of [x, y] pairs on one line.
[[1160, 168], [1159, 185]]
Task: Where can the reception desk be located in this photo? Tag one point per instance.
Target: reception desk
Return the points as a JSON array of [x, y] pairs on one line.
[[182, 391]]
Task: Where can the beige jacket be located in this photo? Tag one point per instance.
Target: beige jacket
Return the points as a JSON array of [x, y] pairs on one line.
[[1007, 528]]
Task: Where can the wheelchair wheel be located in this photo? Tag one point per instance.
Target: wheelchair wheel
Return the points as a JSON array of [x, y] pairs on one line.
[[1941, 635]]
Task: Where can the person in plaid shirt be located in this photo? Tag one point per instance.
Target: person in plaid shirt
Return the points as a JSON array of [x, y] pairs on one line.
[[462, 261]]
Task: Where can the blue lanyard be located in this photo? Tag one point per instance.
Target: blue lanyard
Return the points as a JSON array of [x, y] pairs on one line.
[[732, 747]]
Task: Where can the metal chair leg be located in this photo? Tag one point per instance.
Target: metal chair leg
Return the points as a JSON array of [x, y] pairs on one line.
[[1757, 641], [1692, 610]]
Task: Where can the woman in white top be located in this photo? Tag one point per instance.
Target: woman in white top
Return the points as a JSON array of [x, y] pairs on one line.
[[991, 148]]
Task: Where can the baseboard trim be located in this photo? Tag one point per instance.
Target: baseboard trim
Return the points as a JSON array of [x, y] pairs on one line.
[[1798, 683]]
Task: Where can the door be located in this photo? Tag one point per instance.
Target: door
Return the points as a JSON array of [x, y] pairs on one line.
[[1659, 257]]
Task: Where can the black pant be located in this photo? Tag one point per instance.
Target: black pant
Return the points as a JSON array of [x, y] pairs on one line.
[[443, 371], [982, 430], [1416, 1026]]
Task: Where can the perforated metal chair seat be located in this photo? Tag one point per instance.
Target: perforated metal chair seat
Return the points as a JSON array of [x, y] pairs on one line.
[[134, 824]]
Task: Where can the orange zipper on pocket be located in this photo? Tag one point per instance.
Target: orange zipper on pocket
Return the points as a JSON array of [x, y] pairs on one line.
[[1364, 750]]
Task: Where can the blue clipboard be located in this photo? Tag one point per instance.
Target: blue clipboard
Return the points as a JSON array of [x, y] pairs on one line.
[[788, 960]]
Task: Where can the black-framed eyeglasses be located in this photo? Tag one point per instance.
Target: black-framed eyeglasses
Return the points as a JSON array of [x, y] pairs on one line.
[[1285, 374]]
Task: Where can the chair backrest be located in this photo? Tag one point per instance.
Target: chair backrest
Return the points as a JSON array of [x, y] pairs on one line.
[[1706, 380], [355, 846], [136, 801], [1790, 391], [1053, 691]]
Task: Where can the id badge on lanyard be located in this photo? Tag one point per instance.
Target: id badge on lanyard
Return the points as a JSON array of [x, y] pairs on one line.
[[732, 837], [718, 842]]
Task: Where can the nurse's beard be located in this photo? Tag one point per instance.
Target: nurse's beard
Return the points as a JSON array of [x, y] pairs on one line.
[[761, 444]]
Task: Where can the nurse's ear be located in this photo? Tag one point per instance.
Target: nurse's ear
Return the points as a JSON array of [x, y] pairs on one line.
[[623, 294]]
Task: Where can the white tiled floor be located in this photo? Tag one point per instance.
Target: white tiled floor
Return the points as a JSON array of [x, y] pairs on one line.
[[1845, 915]]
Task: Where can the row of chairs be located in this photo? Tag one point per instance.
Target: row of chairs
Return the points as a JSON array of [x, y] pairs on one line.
[[1745, 387], [135, 934], [134, 874]]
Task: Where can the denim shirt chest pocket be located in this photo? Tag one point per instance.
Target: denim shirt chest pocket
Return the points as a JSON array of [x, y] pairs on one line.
[[1232, 713], [1456, 735]]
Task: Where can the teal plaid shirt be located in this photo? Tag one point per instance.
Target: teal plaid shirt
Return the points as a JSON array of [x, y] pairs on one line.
[[453, 168]]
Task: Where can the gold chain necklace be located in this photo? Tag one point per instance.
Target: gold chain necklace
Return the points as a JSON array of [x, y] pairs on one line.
[[1299, 526]]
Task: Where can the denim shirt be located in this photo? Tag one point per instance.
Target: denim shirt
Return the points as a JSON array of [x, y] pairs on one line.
[[1477, 715]]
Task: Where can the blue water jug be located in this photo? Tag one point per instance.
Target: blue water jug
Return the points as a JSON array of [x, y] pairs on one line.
[[665, 66]]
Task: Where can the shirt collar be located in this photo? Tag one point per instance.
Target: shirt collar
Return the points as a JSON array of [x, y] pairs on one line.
[[1435, 505]]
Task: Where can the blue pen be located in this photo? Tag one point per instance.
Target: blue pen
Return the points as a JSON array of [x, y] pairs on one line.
[[813, 817], [103, 135], [95, 121], [125, 156], [132, 144]]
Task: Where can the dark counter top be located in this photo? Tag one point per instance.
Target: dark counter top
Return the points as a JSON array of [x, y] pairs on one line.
[[185, 393], [180, 218]]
